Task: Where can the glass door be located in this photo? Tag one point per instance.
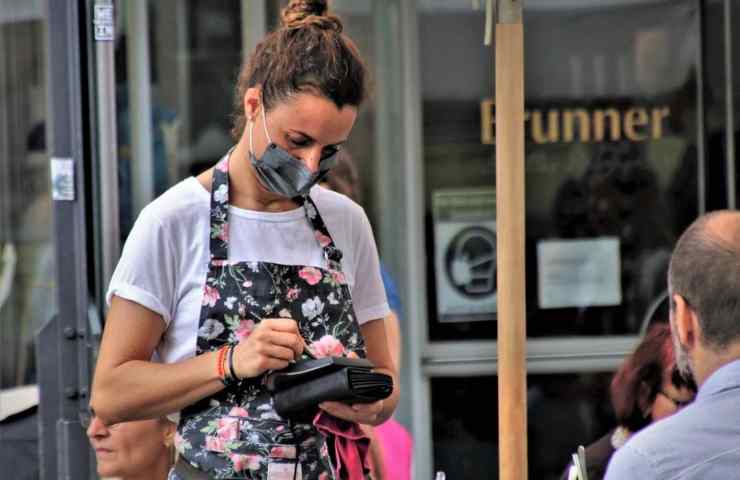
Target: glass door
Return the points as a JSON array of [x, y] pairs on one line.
[[614, 172]]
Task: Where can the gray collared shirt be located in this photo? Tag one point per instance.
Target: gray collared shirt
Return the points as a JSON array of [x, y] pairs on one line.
[[701, 442]]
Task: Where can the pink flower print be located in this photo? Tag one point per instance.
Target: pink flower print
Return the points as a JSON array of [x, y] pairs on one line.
[[223, 234], [311, 275], [223, 166], [210, 296], [293, 293], [228, 429], [215, 444], [238, 412], [322, 239], [279, 428], [327, 346], [247, 283], [283, 451], [242, 462], [338, 277], [245, 329]]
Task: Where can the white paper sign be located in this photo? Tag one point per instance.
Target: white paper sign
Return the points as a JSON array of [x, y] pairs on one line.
[[579, 273]]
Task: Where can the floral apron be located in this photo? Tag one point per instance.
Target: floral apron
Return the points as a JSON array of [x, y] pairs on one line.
[[237, 433]]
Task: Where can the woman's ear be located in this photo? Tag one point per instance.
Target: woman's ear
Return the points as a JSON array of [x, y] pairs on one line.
[[644, 402], [252, 102]]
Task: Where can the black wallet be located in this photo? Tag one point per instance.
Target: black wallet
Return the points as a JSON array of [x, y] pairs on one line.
[[299, 388]]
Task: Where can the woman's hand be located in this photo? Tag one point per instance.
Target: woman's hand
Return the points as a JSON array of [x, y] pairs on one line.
[[363, 413], [271, 346]]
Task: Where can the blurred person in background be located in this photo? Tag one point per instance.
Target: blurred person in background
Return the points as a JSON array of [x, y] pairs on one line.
[[391, 445], [647, 387], [138, 450], [700, 442]]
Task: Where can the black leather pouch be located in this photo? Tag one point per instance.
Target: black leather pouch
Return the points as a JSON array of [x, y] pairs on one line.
[[298, 389]]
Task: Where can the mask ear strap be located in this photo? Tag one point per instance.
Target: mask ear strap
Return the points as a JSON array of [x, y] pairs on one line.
[[264, 119]]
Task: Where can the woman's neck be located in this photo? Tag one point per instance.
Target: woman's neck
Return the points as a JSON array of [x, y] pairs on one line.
[[158, 471]]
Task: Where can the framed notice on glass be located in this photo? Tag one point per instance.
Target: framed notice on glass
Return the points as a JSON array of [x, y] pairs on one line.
[[465, 254]]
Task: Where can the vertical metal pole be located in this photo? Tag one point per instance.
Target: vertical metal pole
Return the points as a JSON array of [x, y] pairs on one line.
[[107, 144], [65, 450], [140, 105], [512, 380], [254, 25], [413, 277], [729, 110]]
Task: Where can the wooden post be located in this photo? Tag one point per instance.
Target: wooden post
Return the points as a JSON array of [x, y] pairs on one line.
[[512, 379]]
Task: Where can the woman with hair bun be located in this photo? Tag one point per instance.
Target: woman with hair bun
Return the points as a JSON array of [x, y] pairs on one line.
[[250, 266]]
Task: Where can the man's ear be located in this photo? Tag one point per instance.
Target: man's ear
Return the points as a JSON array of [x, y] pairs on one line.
[[252, 102], [687, 323]]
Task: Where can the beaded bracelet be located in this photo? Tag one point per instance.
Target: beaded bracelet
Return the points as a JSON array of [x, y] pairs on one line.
[[220, 364]]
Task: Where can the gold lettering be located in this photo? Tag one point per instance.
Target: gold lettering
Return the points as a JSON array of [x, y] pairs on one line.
[[552, 134], [658, 115], [584, 125], [635, 118], [600, 121], [487, 134], [638, 124]]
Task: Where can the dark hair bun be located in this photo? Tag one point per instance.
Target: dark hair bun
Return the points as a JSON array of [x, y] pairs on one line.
[[304, 13]]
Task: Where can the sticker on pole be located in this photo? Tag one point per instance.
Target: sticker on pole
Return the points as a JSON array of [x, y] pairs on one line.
[[465, 254], [62, 179], [103, 23]]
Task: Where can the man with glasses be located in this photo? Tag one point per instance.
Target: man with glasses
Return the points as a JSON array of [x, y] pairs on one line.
[[702, 441]]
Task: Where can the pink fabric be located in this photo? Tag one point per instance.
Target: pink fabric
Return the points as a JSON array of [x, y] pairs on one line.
[[351, 445], [397, 449]]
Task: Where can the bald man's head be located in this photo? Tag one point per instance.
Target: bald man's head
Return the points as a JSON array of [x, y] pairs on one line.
[[705, 271]]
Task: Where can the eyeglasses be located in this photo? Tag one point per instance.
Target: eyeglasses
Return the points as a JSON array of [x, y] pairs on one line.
[[87, 416], [678, 403]]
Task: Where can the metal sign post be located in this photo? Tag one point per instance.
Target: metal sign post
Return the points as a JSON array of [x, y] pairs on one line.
[[512, 380]]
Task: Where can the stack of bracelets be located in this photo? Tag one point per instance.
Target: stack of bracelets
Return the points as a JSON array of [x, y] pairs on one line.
[[225, 365]]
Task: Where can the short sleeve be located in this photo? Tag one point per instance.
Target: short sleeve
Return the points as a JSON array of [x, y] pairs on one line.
[[627, 463], [146, 271], [368, 293]]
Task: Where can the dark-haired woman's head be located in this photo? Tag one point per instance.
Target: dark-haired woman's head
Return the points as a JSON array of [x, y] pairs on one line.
[[307, 54], [648, 386]]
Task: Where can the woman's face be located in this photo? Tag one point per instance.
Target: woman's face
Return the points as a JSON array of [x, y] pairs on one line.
[[670, 398], [310, 127], [129, 448]]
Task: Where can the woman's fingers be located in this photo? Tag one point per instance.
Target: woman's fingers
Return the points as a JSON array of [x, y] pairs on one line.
[[365, 413], [272, 344]]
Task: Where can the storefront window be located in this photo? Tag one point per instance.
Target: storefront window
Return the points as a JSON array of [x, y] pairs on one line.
[[27, 290], [564, 411], [612, 161]]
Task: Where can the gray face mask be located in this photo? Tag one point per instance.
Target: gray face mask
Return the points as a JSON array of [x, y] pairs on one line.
[[281, 173]]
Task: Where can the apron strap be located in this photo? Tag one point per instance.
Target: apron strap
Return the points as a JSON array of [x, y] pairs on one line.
[[219, 231], [332, 254]]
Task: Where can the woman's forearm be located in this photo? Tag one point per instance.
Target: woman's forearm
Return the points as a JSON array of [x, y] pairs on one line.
[[139, 389]]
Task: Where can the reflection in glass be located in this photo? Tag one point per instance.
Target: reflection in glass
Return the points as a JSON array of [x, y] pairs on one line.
[[27, 291], [611, 153], [563, 411]]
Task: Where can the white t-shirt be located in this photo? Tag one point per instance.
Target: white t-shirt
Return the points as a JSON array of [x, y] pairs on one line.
[[164, 263]]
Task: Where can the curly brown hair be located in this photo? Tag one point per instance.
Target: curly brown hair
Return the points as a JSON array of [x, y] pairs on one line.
[[308, 53]]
